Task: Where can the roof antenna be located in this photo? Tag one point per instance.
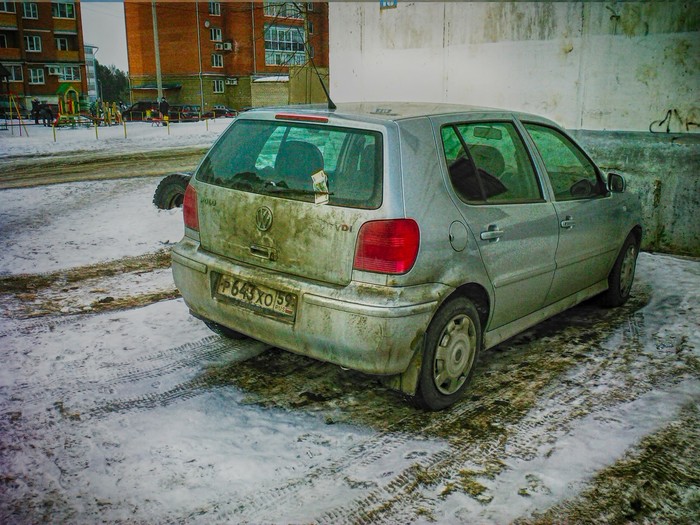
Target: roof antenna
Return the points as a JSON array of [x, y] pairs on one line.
[[331, 104]]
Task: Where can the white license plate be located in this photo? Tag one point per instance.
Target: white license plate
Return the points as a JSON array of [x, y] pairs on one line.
[[258, 296]]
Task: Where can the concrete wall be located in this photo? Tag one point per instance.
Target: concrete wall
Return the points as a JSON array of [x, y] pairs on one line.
[[599, 65], [626, 66], [663, 170]]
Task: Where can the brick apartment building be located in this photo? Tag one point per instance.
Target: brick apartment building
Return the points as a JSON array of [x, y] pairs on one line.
[[41, 46], [237, 54]]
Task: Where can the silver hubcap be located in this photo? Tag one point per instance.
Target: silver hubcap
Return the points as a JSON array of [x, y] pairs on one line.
[[454, 356], [627, 270]]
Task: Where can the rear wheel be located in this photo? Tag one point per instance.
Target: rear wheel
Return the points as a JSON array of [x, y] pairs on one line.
[[451, 348], [171, 191], [622, 275], [223, 331]]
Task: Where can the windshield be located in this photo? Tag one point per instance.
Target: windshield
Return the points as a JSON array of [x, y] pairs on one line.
[[315, 163]]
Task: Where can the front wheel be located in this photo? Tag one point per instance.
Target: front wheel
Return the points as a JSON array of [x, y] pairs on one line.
[[451, 349], [622, 275]]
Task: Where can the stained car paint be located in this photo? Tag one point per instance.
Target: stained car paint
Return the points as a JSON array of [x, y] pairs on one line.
[[375, 322]]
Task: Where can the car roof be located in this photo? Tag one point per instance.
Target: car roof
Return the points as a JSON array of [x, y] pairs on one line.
[[391, 111]]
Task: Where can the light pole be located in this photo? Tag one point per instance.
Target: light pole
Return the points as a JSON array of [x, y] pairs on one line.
[[159, 80], [199, 60]]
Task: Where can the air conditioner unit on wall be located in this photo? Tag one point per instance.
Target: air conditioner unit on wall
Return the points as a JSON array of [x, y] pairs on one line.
[[228, 46], [231, 81], [54, 70], [218, 47]]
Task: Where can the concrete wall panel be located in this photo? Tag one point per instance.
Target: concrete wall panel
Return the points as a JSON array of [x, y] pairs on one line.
[[585, 65]]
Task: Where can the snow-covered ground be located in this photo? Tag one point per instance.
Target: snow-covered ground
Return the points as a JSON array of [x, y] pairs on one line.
[[142, 415], [140, 136], [77, 224]]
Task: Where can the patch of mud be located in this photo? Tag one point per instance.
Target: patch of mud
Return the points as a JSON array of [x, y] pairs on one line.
[[656, 482], [89, 289], [566, 361], [26, 172], [508, 381], [143, 415]]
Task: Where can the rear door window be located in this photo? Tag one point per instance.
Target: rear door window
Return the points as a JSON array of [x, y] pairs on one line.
[[488, 164], [307, 162]]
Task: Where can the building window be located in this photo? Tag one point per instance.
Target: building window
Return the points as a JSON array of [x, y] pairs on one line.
[[15, 72], [284, 45], [70, 73], [36, 76], [30, 10], [217, 60], [282, 10], [7, 7], [310, 26], [61, 43], [218, 86], [309, 6], [215, 34], [32, 43], [215, 8], [3, 40], [64, 9]]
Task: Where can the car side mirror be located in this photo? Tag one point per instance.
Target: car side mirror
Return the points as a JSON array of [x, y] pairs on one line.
[[616, 183]]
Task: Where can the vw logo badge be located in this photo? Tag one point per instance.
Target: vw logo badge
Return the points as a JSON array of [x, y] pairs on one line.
[[263, 218]]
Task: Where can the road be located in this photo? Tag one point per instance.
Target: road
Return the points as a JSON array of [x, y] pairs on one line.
[[117, 406], [24, 171]]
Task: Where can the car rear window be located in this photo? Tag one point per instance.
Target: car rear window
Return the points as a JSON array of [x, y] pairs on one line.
[[299, 161]]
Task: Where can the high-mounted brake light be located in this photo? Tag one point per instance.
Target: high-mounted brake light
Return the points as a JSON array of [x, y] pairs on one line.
[[305, 118], [189, 208], [387, 246]]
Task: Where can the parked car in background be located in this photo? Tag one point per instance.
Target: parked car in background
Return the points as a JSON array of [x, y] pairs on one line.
[[220, 112], [400, 239], [184, 113], [142, 110]]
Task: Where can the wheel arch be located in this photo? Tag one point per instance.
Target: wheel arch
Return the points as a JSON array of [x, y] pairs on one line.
[[407, 382], [478, 295], [637, 232]]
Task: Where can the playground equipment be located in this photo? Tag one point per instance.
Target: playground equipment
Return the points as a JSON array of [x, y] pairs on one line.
[[68, 106], [10, 108]]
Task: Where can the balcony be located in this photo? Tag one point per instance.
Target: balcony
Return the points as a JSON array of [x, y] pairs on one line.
[[10, 53]]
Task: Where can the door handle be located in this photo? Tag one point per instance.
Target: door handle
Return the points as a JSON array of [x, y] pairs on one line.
[[492, 234], [568, 222]]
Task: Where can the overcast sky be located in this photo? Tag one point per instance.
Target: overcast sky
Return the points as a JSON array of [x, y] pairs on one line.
[[103, 26]]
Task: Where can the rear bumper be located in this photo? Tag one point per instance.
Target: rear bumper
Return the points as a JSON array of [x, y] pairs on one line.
[[370, 328]]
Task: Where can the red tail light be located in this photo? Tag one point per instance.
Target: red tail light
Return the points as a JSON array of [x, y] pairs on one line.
[[189, 208], [389, 246]]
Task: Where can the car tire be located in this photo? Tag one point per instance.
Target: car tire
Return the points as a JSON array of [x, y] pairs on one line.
[[622, 275], [171, 191], [224, 331], [451, 349]]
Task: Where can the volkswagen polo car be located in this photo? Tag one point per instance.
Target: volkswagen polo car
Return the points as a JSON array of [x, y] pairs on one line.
[[400, 239]]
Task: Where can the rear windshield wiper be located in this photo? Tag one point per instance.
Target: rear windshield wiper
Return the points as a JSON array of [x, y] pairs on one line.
[[292, 191]]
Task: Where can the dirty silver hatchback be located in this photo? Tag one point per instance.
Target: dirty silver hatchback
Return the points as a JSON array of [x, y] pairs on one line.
[[400, 239]]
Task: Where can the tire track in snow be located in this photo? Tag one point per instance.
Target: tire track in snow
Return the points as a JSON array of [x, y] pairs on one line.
[[38, 325], [77, 381], [401, 498], [211, 349], [403, 501]]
